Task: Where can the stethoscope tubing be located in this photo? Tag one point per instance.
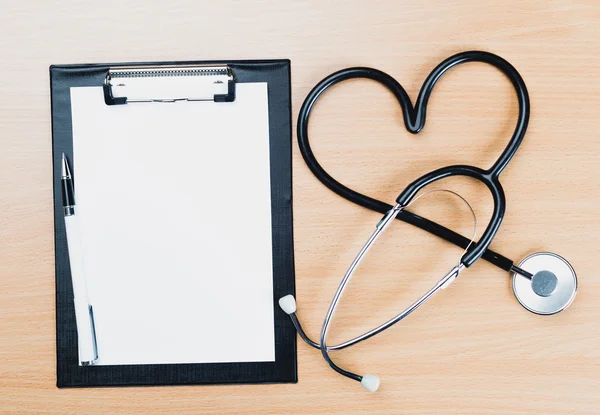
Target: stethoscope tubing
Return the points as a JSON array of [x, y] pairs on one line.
[[414, 120]]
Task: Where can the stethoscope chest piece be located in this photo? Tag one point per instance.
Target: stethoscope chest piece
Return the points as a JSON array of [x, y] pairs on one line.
[[552, 287]]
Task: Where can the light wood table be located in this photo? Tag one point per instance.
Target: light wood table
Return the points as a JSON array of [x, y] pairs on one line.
[[471, 350]]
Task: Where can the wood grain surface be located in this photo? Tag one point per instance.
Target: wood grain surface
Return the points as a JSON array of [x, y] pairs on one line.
[[472, 349]]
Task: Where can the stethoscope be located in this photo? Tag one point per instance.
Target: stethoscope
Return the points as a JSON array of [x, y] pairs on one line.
[[543, 283]]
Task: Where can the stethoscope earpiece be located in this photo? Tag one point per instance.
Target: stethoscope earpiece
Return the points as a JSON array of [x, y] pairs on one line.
[[370, 382], [288, 304]]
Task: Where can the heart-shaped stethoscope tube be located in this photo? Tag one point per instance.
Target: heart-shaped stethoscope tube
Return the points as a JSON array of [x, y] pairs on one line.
[[414, 120]]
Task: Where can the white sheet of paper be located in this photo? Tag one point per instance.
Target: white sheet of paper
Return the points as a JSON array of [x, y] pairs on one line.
[[174, 205]]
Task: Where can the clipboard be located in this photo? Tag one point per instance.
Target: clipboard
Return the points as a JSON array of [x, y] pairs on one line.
[[215, 86]]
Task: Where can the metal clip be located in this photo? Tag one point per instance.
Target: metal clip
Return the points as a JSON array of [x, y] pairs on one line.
[[169, 84]]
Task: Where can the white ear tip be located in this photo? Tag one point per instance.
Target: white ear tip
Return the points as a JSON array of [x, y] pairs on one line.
[[288, 304], [370, 382]]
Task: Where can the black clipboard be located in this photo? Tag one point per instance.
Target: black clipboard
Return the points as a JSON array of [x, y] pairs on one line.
[[276, 73]]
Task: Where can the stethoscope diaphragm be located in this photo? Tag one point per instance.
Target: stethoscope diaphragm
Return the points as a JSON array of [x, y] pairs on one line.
[[552, 287]]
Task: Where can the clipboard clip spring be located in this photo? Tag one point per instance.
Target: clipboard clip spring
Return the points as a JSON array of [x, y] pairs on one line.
[[124, 85]]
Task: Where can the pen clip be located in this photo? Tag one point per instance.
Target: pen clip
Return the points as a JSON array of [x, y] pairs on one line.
[[94, 342]]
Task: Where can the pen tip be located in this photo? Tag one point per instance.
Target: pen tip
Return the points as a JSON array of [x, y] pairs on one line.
[[65, 171]]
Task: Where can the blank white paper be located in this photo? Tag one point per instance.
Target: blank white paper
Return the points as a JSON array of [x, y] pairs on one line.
[[174, 205]]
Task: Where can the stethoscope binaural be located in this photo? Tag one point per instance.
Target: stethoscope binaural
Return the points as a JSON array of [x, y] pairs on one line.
[[543, 283]]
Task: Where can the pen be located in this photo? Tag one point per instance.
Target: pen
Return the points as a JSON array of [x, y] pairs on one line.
[[84, 314]]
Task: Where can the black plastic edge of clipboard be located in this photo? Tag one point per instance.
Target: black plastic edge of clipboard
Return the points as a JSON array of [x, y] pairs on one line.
[[277, 74]]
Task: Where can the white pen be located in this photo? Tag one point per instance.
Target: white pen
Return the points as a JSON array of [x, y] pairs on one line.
[[84, 314]]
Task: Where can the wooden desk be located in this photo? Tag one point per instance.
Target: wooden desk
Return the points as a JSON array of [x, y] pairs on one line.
[[473, 349]]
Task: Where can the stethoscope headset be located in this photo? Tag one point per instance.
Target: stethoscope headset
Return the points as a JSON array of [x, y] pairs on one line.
[[550, 286]]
